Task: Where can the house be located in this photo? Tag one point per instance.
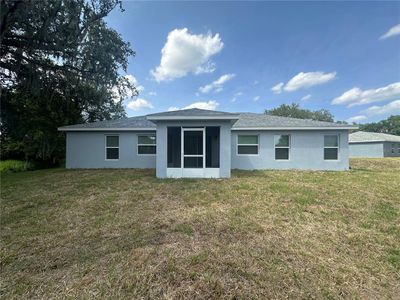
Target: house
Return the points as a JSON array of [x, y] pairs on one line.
[[205, 143], [374, 144]]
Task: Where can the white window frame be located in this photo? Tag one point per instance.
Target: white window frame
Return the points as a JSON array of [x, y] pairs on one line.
[[258, 145], [106, 147], [137, 147], [337, 147], [282, 147]]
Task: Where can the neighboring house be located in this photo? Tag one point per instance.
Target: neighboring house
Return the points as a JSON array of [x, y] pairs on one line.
[[374, 144], [205, 143]]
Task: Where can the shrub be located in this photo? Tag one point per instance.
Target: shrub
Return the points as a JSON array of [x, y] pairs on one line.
[[15, 166]]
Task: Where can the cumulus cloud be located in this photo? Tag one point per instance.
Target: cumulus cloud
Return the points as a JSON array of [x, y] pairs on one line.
[[256, 98], [236, 95], [306, 97], [140, 104], [356, 119], [277, 89], [390, 108], [356, 96], [304, 80], [395, 30], [210, 105], [123, 91], [185, 53], [217, 85]]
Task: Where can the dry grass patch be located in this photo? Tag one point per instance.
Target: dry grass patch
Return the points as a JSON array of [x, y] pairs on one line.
[[260, 234]]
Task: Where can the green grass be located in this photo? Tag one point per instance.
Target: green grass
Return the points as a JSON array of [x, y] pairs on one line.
[[15, 166], [258, 235]]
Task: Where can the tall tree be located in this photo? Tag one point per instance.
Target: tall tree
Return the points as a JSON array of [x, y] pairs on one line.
[[294, 111], [391, 125], [60, 64]]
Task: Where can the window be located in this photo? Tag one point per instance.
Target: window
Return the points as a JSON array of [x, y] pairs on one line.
[[146, 144], [398, 148], [282, 147], [331, 147], [247, 145], [393, 148], [112, 147]]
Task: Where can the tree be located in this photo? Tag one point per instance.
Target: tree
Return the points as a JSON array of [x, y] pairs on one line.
[[391, 125], [60, 64], [294, 111]]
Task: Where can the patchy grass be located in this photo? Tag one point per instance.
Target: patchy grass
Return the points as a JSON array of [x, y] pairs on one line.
[[15, 166], [258, 235]]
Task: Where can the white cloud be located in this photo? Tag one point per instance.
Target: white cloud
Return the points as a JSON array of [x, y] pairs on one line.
[[277, 89], [216, 85], [132, 79], [356, 96], [303, 80], [395, 30], [356, 119], [124, 91], [306, 97], [185, 53], [390, 108], [152, 94], [140, 104], [211, 105], [256, 98], [236, 95], [306, 80]]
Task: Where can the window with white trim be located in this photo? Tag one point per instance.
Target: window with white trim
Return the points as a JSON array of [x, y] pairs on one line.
[[331, 147], [282, 146], [112, 147], [247, 145], [146, 144]]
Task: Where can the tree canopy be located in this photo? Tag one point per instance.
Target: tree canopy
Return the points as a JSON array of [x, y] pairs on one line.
[[294, 111], [60, 64], [391, 125]]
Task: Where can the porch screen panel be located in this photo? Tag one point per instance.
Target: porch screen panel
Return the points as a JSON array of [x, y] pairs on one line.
[[212, 147], [174, 147]]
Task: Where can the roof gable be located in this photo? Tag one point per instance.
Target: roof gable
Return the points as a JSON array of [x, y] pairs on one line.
[[193, 114]]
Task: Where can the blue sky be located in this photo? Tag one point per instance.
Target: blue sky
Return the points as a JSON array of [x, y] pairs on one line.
[[229, 56]]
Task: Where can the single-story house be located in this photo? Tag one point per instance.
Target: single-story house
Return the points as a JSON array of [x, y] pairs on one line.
[[374, 144], [205, 143]]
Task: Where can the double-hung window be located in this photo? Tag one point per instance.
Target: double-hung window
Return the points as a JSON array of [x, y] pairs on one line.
[[282, 146], [112, 147], [247, 145], [146, 144], [331, 147]]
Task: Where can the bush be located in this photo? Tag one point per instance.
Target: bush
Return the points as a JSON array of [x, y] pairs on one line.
[[16, 166]]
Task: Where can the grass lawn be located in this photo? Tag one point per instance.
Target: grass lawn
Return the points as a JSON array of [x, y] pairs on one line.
[[260, 234]]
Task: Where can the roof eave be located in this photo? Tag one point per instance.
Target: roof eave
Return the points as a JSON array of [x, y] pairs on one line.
[[107, 129]]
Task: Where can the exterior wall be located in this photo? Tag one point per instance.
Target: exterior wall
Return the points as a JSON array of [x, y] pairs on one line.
[[225, 142], [306, 151], [87, 150], [387, 149], [366, 149]]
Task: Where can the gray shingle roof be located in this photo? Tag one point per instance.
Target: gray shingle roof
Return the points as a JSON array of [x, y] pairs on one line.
[[244, 121], [133, 122], [363, 136], [193, 112], [253, 120]]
